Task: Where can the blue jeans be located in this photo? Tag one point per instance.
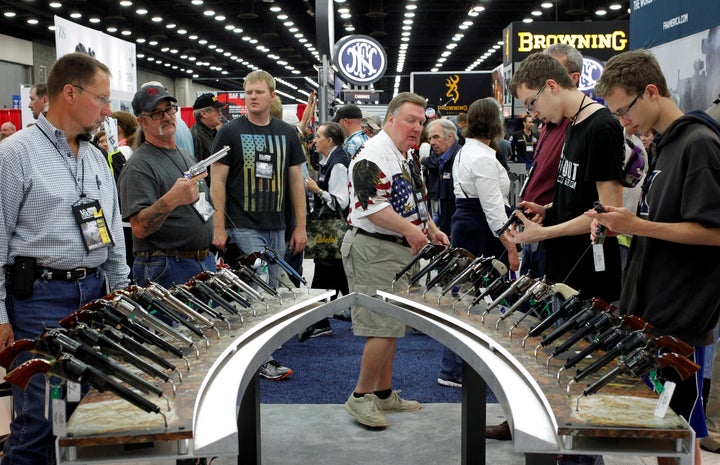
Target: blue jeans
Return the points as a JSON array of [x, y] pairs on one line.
[[255, 240], [533, 260], [31, 440], [168, 271], [451, 366]]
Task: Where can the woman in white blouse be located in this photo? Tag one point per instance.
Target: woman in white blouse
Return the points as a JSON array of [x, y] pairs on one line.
[[482, 186], [481, 204]]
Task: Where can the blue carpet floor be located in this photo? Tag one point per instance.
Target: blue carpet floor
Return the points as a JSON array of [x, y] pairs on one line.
[[325, 369]]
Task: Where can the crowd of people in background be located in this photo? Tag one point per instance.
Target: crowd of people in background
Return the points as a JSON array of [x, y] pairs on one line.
[[400, 181]]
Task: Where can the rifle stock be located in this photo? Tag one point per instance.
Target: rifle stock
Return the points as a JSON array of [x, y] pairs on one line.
[[10, 353]]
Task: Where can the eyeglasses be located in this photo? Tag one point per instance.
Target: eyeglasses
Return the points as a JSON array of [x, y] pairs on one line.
[[531, 104], [623, 113], [101, 100], [159, 114]]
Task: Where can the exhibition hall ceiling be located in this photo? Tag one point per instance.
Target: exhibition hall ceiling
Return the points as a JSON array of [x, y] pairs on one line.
[[218, 42]]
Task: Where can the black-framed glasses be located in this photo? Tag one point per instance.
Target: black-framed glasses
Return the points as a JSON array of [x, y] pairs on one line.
[[623, 113], [159, 114], [101, 100], [531, 104]]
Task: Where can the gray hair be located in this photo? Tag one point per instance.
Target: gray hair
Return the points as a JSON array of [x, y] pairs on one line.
[[573, 57], [448, 127]]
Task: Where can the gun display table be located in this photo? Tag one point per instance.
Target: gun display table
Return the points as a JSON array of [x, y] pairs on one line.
[[209, 418], [617, 420], [105, 427]]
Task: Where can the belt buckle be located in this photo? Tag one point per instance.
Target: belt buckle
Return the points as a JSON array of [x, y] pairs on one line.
[[82, 276]]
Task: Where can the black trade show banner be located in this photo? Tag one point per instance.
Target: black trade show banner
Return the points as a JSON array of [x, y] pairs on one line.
[[452, 92]]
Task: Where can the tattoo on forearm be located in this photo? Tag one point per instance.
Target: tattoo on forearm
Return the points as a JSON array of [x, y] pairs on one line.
[[153, 217]]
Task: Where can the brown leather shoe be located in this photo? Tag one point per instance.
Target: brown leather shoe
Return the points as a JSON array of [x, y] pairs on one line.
[[500, 432]]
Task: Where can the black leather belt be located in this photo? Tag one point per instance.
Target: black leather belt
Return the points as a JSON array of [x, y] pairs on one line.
[[77, 274], [384, 237], [181, 253]]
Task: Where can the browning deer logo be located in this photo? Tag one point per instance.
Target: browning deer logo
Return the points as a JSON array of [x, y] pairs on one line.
[[452, 88]]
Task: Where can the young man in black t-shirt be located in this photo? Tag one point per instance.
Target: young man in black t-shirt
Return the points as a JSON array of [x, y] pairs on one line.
[[590, 170], [671, 276]]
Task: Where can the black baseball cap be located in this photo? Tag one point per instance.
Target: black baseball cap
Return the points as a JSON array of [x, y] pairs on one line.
[[207, 100], [349, 111], [148, 97]]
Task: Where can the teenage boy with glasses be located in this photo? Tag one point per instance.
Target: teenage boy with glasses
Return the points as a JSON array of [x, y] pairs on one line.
[[677, 230]]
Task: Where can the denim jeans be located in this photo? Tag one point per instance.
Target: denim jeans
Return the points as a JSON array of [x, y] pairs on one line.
[[168, 271], [31, 439], [533, 260], [255, 240], [451, 366]]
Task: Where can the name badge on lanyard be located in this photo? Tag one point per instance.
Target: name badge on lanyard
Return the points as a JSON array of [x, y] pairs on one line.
[[90, 219], [264, 168]]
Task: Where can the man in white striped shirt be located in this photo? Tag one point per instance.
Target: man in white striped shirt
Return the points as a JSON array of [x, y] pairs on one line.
[[57, 252]]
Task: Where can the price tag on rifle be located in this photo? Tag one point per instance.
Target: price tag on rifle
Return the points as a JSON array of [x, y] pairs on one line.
[[664, 400], [59, 417], [598, 257], [74, 393]]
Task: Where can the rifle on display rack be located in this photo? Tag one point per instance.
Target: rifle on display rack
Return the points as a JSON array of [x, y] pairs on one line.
[[55, 343], [609, 338], [133, 310], [428, 252], [437, 263], [461, 260], [631, 342], [72, 369], [640, 363], [168, 299], [105, 325], [585, 313], [472, 273]]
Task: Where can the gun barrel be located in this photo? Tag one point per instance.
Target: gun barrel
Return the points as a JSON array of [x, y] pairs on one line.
[[75, 370], [110, 347], [136, 347], [599, 322], [520, 285], [567, 326], [603, 381], [605, 340], [569, 307], [202, 165], [631, 342], [513, 218], [273, 257]]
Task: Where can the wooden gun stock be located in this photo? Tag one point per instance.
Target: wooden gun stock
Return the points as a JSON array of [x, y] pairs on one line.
[[683, 365], [21, 375], [673, 344], [9, 353]]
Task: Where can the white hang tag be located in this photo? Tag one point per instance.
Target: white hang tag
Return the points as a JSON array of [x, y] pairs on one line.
[[598, 257], [664, 400]]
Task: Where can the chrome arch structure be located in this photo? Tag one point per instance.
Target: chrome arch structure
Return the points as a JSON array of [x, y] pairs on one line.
[[217, 408]]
